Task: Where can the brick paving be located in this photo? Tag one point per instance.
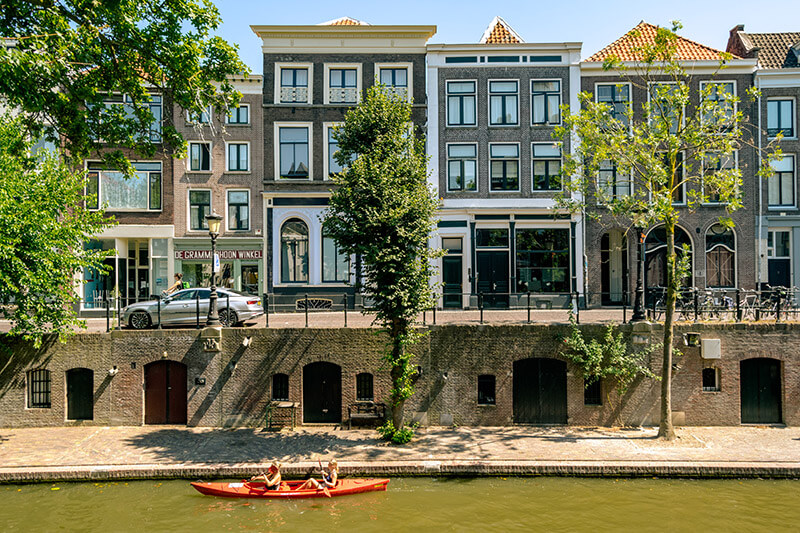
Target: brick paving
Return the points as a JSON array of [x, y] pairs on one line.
[[91, 452]]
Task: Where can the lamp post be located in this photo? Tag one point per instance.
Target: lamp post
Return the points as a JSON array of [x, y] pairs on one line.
[[638, 298], [214, 221]]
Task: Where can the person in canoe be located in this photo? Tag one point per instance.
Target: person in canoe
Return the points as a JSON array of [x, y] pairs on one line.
[[330, 476], [271, 479]]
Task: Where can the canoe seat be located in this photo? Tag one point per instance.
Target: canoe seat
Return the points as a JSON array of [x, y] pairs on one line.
[[365, 411]]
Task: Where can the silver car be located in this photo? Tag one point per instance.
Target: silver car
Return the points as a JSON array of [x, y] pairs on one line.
[[181, 308]]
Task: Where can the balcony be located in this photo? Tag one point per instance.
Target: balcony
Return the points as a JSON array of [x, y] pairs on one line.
[[402, 92], [343, 95], [292, 95]]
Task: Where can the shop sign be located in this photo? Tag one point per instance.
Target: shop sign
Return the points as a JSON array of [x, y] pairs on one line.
[[223, 254]]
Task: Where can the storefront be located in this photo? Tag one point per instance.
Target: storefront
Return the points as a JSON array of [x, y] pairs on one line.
[[241, 263]]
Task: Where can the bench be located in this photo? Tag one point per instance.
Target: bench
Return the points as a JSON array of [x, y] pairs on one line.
[[365, 411]]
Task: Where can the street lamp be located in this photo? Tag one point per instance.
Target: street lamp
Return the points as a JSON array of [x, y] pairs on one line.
[[639, 223], [214, 220]]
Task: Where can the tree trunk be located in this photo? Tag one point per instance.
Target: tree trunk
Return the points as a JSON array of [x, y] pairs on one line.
[[666, 429], [397, 371]]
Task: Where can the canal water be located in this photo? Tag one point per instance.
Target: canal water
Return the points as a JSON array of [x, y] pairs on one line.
[[416, 505]]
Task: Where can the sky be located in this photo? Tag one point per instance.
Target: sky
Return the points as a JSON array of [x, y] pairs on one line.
[[594, 23]]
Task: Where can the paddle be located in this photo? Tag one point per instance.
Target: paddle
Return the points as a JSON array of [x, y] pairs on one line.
[[325, 490]]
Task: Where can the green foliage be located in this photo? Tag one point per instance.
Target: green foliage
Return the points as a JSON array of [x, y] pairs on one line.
[[59, 58], [43, 226], [383, 211], [608, 357], [396, 436]]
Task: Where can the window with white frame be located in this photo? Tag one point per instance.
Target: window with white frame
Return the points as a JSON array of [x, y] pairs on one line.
[[781, 182], [343, 85], [332, 147], [720, 257], [617, 97], [611, 183], [202, 118], [395, 79], [462, 167], [660, 101], [504, 164], [239, 115], [779, 244], [545, 102], [199, 156], [780, 117], [678, 184], [238, 210], [117, 192], [127, 106], [238, 157], [293, 152], [503, 103], [294, 85], [461, 109], [335, 265], [546, 161], [199, 207], [712, 164], [294, 251], [722, 93]]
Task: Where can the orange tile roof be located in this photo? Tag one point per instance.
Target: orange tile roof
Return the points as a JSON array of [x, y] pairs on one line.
[[500, 32], [628, 47], [344, 21]]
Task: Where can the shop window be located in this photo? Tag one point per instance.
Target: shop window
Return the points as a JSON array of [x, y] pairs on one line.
[[364, 391], [491, 238], [543, 263], [114, 191], [199, 207], [593, 393], [335, 265], [280, 387], [238, 210], [711, 380], [720, 257], [294, 251], [39, 388], [486, 390]]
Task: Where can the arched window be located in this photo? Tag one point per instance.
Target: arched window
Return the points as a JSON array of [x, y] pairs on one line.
[[656, 255], [720, 257], [294, 251], [364, 391], [280, 387]]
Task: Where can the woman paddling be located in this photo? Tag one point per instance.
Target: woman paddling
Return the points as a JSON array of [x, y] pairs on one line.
[[329, 478], [271, 481]]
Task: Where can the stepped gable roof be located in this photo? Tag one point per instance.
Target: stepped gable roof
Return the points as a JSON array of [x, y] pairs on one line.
[[625, 48], [500, 32], [773, 50], [344, 21]]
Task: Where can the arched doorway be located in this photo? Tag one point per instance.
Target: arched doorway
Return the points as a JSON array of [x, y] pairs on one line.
[[540, 391], [613, 267], [80, 394], [760, 391], [322, 393], [165, 393], [655, 246]]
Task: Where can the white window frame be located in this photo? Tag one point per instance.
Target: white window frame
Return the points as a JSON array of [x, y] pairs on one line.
[[121, 210], [327, 82], [771, 250], [615, 196], [228, 117], [477, 167], [650, 84], [249, 211], [277, 88], [560, 101], [519, 168], [190, 122], [735, 257], [189, 208], [409, 75], [793, 205], [683, 180], [703, 173], [561, 159], [210, 158], [227, 158], [489, 105], [276, 147], [794, 113], [719, 82], [447, 103], [326, 127], [627, 84]]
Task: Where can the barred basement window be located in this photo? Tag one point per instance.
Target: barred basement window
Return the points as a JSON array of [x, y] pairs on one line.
[[486, 389], [364, 391], [39, 388], [593, 393], [280, 387], [711, 380]]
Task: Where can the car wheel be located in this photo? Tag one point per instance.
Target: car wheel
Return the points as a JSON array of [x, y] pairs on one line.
[[140, 320], [228, 318]]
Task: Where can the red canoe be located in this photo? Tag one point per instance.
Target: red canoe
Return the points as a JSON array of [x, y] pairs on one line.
[[246, 489]]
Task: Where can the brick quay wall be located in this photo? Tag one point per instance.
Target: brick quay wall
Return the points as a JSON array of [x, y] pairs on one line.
[[233, 386]]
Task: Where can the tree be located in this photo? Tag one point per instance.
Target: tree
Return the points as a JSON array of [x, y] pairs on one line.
[[43, 225], [674, 142], [382, 212], [59, 59]]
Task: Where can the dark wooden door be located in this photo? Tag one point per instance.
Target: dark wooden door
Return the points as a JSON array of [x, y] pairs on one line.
[[322, 393], [540, 391], [779, 272], [761, 391], [80, 394], [165, 393], [492, 272], [453, 280]]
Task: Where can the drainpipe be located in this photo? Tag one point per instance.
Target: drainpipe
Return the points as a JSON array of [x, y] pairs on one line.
[[759, 256]]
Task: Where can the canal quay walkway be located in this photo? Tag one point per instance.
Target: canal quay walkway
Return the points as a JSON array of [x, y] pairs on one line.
[[103, 453]]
